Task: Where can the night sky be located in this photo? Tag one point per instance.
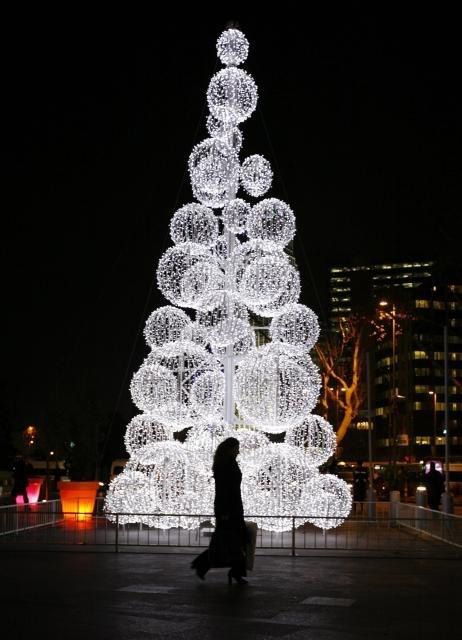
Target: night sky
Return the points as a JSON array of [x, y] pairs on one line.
[[359, 115]]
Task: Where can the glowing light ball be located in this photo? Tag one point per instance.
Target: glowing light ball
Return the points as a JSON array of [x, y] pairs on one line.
[[256, 175], [328, 501], [207, 394], [272, 392], [173, 266], [235, 215], [214, 172], [271, 219], [242, 342], [185, 361], [232, 95], [128, 495], [194, 223], [144, 429], [153, 388], [226, 133], [204, 439], [251, 447], [175, 486], [195, 333], [248, 252], [277, 486], [297, 325], [222, 319], [288, 294], [199, 281], [165, 324], [224, 250], [316, 437], [264, 280], [232, 47]]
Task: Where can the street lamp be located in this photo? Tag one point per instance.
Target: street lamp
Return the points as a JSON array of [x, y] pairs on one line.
[[393, 388]]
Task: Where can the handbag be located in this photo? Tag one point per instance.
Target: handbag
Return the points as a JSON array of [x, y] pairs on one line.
[[251, 542]]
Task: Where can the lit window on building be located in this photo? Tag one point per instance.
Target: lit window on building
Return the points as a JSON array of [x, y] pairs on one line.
[[422, 388], [423, 372], [422, 440], [422, 304], [439, 355], [419, 355]]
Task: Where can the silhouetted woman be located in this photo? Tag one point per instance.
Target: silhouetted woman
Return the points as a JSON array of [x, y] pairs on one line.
[[230, 532]]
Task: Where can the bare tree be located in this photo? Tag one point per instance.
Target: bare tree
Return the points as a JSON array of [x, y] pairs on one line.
[[341, 359]]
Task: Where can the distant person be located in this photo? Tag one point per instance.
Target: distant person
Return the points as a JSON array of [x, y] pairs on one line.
[[20, 473], [434, 482], [360, 478], [228, 543]]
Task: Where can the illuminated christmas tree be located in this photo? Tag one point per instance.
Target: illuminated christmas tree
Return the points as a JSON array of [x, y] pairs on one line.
[[204, 372]]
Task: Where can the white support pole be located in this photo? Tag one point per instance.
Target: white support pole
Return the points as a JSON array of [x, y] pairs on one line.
[[228, 364]]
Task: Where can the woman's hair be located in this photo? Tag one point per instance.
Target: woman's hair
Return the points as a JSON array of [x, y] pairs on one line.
[[223, 453]]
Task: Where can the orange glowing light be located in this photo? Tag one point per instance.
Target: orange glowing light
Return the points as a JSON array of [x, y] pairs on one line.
[[77, 499]]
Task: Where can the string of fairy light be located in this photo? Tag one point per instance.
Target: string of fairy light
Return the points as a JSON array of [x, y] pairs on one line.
[[204, 371]]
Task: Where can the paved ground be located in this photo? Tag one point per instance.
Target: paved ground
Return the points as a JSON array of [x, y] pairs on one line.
[[134, 596]]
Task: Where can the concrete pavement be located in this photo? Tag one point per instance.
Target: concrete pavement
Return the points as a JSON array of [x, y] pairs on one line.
[[133, 596]]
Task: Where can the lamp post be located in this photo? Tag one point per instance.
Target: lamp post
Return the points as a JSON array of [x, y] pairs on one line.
[[393, 389], [371, 493], [446, 499]]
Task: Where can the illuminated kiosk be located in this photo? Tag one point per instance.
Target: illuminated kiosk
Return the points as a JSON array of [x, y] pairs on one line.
[[205, 372]]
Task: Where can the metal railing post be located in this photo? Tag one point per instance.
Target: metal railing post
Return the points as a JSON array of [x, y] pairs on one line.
[[293, 537], [117, 534]]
